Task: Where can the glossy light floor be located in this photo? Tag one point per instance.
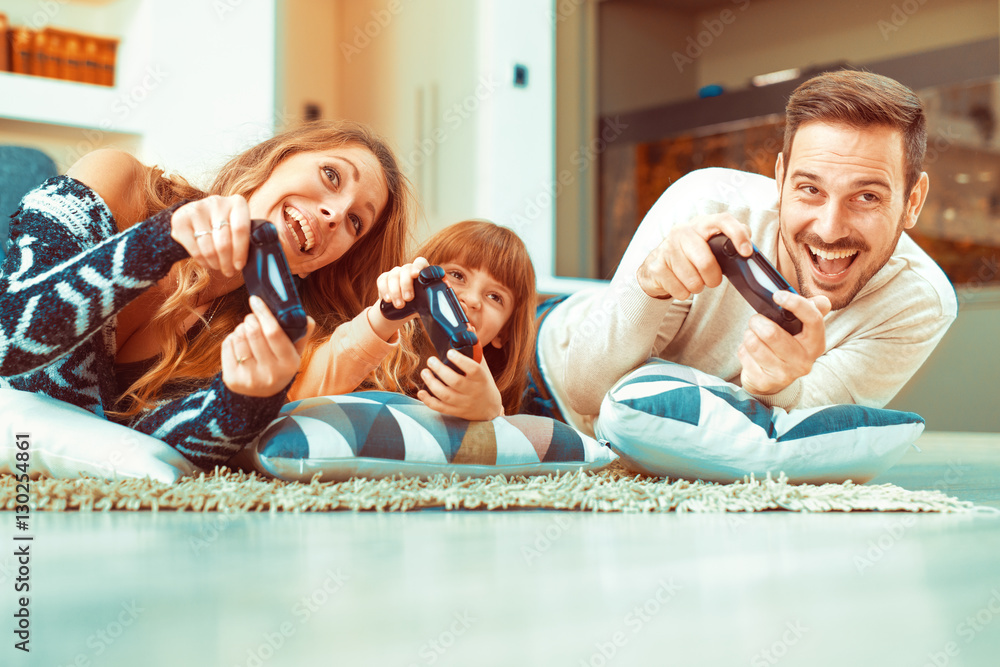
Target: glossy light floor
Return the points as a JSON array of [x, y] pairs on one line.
[[525, 588]]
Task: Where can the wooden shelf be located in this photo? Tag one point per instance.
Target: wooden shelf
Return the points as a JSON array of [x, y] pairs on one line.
[[66, 103]]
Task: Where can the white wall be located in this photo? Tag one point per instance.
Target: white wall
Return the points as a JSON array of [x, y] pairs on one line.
[[213, 93], [516, 154]]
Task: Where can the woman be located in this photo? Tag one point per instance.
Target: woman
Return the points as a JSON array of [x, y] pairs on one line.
[[122, 289]]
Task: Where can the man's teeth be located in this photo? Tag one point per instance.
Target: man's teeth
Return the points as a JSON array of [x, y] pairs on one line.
[[303, 227], [825, 254]]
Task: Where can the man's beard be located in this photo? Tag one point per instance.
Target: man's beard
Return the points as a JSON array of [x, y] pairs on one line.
[[849, 243]]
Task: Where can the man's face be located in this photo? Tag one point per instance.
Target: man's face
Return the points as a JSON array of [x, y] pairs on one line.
[[842, 207]]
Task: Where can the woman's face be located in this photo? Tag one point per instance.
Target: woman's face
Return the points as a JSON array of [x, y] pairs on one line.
[[322, 202]]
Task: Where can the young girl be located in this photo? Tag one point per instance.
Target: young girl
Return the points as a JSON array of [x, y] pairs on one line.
[[490, 270]]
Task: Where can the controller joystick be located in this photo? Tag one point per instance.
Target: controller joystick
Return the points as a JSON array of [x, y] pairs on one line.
[[440, 314], [268, 276], [757, 280]]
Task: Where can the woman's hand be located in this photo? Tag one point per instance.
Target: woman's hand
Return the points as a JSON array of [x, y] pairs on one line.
[[473, 396], [258, 357], [215, 231], [395, 286]]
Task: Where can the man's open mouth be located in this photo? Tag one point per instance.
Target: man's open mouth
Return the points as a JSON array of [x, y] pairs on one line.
[[300, 229], [832, 262]]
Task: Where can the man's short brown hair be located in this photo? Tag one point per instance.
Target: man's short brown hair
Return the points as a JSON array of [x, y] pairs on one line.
[[861, 99]]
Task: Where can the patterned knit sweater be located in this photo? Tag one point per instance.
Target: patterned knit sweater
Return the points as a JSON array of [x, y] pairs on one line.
[[66, 276]]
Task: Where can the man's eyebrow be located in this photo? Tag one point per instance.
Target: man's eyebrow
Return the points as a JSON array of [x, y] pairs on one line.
[[860, 183], [808, 175], [868, 182]]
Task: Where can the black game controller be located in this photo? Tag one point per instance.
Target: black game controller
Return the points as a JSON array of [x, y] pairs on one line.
[[757, 280], [267, 275], [441, 315]]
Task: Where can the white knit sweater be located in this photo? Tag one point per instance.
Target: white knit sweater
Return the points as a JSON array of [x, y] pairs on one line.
[[873, 346]]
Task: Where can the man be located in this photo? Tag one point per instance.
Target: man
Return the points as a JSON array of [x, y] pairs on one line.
[[872, 303]]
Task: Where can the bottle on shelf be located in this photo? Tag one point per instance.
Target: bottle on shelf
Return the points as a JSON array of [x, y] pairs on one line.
[[4, 44], [21, 50]]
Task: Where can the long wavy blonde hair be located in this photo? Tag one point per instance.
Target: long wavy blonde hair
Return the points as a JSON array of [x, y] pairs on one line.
[[331, 295], [486, 246]]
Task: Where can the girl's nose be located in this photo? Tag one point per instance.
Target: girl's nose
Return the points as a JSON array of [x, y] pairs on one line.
[[468, 299]]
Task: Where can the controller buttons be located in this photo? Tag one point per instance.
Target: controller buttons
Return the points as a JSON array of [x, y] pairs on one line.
[[264, 234], [463, 339], [431, 274]]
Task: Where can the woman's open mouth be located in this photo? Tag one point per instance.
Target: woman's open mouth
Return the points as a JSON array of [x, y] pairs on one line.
[[831, 263], [300, 229]]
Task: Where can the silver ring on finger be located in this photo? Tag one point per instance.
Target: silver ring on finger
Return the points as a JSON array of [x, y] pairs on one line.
[[216, 226], [201, 233]]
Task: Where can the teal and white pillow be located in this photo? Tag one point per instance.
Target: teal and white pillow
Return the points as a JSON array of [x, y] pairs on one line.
[[379, 434], [671, 420]]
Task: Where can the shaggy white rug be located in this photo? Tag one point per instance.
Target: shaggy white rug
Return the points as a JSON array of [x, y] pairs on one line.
[[613, 489]]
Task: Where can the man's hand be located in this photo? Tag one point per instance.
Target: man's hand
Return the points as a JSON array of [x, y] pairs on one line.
[[683, 263], [772, 358]]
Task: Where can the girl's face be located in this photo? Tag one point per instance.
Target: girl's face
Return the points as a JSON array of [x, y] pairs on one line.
[[322, 203], [486, 301]]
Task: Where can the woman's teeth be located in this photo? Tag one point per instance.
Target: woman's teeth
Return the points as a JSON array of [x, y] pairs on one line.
[[300, 229]]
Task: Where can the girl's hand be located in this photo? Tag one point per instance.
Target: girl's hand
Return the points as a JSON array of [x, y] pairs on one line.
[[395, 286], [215, 231], [258, 357], [473, 396]]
